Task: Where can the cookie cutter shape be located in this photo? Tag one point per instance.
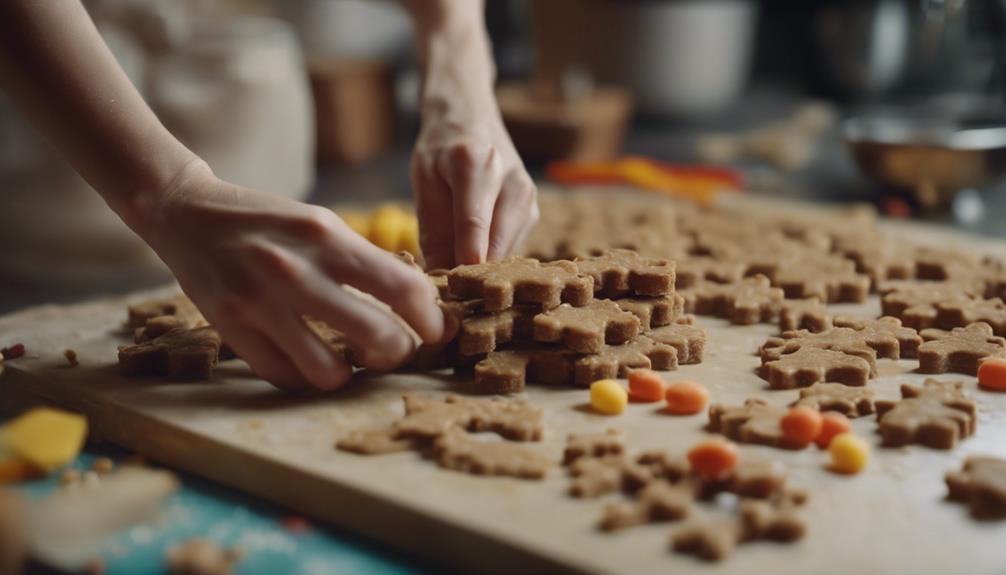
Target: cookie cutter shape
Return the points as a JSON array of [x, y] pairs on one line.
[[654, 312], [937, 415], [188, 354], [461, 451], [960, 350], [427, 417], [622, 272], [842, 339], [689, 341], [763, 520], [808, 366], [810, 314], [708, 539], [749, 301], [914, 303], [520, 280], [880, 330], [826, 278], [964, 312], [879, 257], [754, 422], [658, 501], [694, 270], [588, 328], [605, 443], [849, 401], [596, 476], [485, 332], [981, 484], [375, 441]]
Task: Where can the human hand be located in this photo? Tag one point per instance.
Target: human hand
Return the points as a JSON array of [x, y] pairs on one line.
[[255, 264]]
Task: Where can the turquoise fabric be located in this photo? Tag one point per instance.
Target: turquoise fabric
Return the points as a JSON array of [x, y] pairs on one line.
[[202, 509]]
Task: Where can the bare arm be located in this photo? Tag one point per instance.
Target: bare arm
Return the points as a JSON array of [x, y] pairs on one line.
[[465, 169], [255, 263]]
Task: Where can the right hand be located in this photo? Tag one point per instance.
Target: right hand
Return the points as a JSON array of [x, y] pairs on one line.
[[255, 264]]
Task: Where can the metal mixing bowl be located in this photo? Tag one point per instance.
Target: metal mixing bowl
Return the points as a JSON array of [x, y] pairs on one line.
[[933, 158]]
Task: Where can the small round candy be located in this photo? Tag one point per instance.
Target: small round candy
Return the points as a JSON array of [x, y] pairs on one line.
[[849, 453], [386, 227], [992, 374], [607, 396], [832, 424], [713, 458], [686, 398], [800, 426], [646, 385]]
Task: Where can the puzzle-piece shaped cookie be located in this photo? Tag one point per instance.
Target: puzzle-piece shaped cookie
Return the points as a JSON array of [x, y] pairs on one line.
[[654, 312], [588, 328], [937, 415], [375, 441], [179, 307], [687, 339], [937, 263], [754, 422], [762, 520], [849, 401], [808, 366], [809, 314], [506, 371], [658, 501], [828, 279], [458, 450], [880, 258], [981, 484], [841, 339], [484, 333], [606, 443], [596, 476], [750, 301], [622, 272], [187, 354], [521, 280], [879, 331], [709, 540], [694, 270], [651, 466], [965, 312], [427, 417], [914, 303], [960, 350]]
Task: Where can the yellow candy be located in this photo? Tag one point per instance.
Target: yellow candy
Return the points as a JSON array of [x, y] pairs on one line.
[[409, 239], [46, 438], [358, 222], [607, 396], [386, 227], [849, 453]]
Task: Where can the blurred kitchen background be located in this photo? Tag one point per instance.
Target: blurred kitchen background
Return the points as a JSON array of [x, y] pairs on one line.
[[894, 102]]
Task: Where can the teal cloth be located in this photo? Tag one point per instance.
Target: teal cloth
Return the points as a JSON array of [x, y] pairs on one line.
[[202, 509]]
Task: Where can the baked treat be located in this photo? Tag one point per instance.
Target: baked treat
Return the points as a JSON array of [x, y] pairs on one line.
[[914, 303], [960, 350], [831, 280], [879, 331], [427, 417], [749, 301], [654, 312], [849, 401], [623, 272], [981, 484], [936, 415], [485, 332], [809, 365], [521, 280], [588, 328], [455, 449], [842, 339], [964, 312], [804, 314], [709, 540], [608, 442], [688, 340], [375, 441], [754, 422], [658, 501], [187, 354]]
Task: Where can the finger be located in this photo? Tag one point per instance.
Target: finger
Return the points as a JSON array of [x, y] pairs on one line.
[[372, 270], [261, 355], [474, 177], [513, 215], [379, 340], [433, 209], [317, 363]]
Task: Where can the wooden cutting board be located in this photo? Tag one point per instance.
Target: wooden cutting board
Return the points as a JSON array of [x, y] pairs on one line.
[[238, 431]]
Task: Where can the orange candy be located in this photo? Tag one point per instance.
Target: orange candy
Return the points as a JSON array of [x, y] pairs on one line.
[[801, 426], [686, 398], [992, 374], [646, 385], [832, 423], [713, 458]]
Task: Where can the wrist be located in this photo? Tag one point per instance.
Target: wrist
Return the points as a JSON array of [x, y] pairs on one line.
[[147, 210], [458, 72]]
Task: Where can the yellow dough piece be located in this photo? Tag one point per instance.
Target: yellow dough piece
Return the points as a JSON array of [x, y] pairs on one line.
[[607, 396], [43, 437], [849, 453]]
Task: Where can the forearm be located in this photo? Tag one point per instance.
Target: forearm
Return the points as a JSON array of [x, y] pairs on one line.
[[55, 65], [455, 54]]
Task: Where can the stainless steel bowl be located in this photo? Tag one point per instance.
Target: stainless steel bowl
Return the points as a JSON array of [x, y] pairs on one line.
[[931, 157]]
